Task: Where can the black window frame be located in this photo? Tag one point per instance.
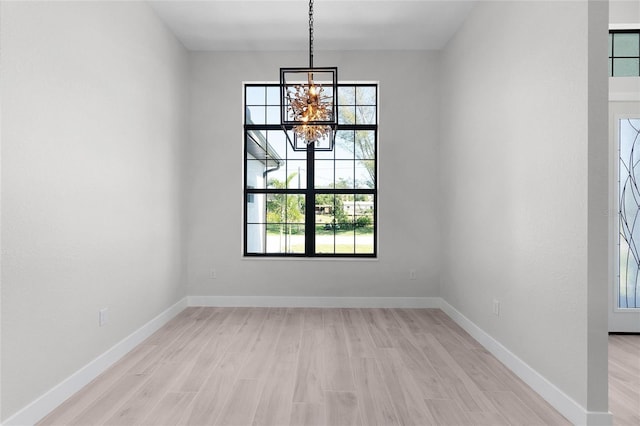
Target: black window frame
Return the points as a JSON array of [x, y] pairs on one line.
[[309, 191], [613, 56]]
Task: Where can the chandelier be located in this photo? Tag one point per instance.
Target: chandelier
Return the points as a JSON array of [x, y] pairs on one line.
[[308, 102]]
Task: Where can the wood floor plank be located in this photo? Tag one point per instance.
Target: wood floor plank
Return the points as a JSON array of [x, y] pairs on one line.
[[276, 399], [222, 330], [107, 403], [306, 414], [447, 412], [90, 393], [481, 375], [483, 418], [337, 374], [291, 332], [624, 379], [425, 376], [359, 341], [405, 394], [341, 408], [463, 337], [376, 407], [309, 371], [377, 329], [173, 328], [312, 318], [248, 331], [170, 410], [513, 409], [264, 345], [210, 400], [513, 383], [241, 403], [336, 367], [148, 395], [457, 382]]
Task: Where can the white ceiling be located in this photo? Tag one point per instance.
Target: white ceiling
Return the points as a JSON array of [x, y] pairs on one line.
[[339, 24]]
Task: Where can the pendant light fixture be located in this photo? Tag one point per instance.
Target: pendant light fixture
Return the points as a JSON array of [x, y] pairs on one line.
[[308, 102]]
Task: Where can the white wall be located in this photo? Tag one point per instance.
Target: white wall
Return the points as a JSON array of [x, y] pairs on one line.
[[524, 201], [94, 115], [624, 11], [408, 223]]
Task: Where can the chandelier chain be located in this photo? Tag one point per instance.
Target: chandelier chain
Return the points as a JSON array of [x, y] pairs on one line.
[[310, 33]]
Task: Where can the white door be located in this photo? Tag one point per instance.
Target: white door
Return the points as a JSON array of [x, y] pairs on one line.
[[624, 295]]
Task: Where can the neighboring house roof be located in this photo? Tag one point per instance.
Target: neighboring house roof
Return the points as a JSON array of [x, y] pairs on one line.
[[260, 149]]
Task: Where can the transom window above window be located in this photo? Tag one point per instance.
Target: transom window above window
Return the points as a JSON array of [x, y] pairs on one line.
[[624, 53], [314, 202]]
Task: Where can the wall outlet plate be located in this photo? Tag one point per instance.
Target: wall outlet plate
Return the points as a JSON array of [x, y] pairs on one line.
[[103, 316]]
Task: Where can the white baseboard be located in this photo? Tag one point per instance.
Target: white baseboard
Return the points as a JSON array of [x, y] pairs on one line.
[[42, 406], [316, 302], [569, 408]]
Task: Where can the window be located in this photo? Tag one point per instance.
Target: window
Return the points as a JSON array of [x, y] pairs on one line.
[[624, 53], [310, 203]]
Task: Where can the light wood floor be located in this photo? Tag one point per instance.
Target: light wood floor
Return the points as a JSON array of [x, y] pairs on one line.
[[624, 379], [272, 366]]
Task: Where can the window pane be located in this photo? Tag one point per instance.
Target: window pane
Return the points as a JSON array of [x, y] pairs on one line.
[[256, 208], [256, 115], [364, 223], [273, 115], [255, 95], [366, 115], [626, 67], [296, 174], [277, 143], [345, 242], [347, 114], [291, 153], [346, 95], [327, 155], [273, 95], [325, 223], [277, 178], [366, 95], [344, 148], [626, 44], [255, 238], [285, 223], [324, 174], [344, 174], [365, 174], [255, 174], [364, 239], [295, 209], [365, 144]]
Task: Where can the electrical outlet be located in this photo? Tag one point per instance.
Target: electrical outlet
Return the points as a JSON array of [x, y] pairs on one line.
[[496, 307], [103, 316], [412, 274], [213, 274]]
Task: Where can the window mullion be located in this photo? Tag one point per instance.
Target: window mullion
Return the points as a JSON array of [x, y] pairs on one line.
[[310, 202]]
